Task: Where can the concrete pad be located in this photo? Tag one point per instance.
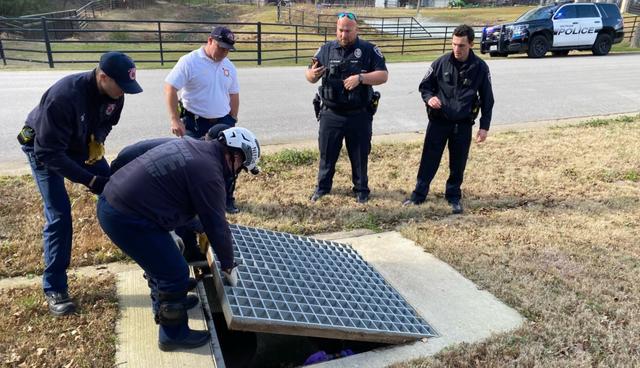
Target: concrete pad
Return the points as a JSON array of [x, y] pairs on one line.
[[453, 305], [137, 333]]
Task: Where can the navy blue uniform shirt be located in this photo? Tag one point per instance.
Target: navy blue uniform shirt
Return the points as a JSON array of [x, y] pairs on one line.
[[361, 57], [173, 182], [69, 112], [459, 86]]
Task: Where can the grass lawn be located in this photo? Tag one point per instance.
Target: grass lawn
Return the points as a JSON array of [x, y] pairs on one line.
[[551, 228]]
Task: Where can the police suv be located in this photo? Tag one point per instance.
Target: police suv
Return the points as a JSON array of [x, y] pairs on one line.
[[558, 28]]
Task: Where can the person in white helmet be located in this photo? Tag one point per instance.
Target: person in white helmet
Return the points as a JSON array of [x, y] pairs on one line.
[[165, 188]]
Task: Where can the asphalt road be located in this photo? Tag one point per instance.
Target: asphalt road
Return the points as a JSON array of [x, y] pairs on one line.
[[275, 102]]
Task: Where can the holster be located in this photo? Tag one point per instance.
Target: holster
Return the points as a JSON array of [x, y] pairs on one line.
[[375, 100], [26, 135], [317, 105]]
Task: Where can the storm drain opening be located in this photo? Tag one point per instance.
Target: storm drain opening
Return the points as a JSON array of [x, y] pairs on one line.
[[298, 298]]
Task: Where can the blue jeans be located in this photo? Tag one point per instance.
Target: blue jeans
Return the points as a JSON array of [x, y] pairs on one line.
[[57, 233], [149, 246]]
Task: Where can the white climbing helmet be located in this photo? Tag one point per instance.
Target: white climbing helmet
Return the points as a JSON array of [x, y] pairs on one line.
[[244, 140]]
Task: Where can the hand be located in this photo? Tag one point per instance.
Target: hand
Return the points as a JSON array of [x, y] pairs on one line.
[[351, 82], [96, 185], [481, 136], [96, 151], [316, 70], [434, 103], [231, 276], [177, 127]]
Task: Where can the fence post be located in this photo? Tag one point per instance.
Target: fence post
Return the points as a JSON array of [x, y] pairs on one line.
[[633, 28], [296, 44], [382, 27], [259, 43], [398, 27], [47, 43], [404, 30], [318, 21], [160, 42], [302, 22], [4, 60], [278, 13], [444, 40]]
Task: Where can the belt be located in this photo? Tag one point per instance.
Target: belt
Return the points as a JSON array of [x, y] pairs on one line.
[[338, 110], [197, 117]]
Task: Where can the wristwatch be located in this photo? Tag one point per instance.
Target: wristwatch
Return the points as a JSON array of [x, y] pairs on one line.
[[360, 78]]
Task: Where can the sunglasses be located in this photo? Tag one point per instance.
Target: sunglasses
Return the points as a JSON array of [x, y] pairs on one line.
[[348, 15]]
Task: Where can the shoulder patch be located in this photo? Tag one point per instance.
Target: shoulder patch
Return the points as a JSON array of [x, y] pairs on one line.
[[376, 49], [429, 72]]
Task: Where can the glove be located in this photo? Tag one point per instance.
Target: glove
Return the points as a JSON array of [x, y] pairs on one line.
[[96, 185], [178, 240], [203, 242], [96, 151], [231, 276]]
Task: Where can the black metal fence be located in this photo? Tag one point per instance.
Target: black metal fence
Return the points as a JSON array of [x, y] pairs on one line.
[[163, 42]]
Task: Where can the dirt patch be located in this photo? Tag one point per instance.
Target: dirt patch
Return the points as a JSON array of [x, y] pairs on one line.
[[30, 337]]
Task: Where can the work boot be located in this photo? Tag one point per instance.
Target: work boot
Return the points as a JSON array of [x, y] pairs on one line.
[[456, 207], [192, 284], [362, 197], [181, 337], [59, 303], [231, 207], [174, 332], [316, 195], [191, 301]]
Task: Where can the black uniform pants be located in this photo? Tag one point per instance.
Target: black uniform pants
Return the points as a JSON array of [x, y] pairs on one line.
[[458, 138], [355, 128]]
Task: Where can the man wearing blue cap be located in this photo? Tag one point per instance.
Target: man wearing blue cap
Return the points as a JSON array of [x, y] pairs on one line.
[[210, 94], [63, 137]]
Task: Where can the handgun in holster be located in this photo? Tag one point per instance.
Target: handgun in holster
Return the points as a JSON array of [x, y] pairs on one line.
[[181, 110], [26, 135], [317, 105], [375, 100]]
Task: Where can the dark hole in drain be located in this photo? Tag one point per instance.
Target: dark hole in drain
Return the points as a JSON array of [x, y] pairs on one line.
[[256, 349]]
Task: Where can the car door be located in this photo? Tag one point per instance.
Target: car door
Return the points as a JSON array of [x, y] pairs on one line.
[[590, 23], [566, 31]]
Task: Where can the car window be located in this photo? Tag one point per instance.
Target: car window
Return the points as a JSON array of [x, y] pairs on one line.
[[540, 13], [609, 10], [587, 11], [566, 12]]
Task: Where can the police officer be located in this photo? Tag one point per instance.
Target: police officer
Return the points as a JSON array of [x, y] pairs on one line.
[[210, 93], [455, 88], [162, 189], [349, 67], [63, 137]]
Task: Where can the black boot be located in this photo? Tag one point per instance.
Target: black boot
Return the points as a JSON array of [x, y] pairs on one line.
[[59, 303], [174, 332]]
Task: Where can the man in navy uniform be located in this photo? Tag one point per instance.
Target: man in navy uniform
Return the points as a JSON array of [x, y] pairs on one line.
[[63, 137], [456, 86], [349, 67], [165, 188]]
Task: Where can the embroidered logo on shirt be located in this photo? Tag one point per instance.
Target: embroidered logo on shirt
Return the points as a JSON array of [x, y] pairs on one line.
[[377, 51], [226, 72], [357, 53], [110, 109]]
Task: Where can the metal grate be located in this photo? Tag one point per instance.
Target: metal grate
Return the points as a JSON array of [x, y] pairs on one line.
[[297, 285]]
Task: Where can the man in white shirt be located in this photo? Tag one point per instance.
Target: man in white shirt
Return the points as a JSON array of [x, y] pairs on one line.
[[210, 94]]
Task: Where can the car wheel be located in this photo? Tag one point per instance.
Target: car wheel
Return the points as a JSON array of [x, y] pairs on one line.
[[602, 46], [538, 46], [560, 53]]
